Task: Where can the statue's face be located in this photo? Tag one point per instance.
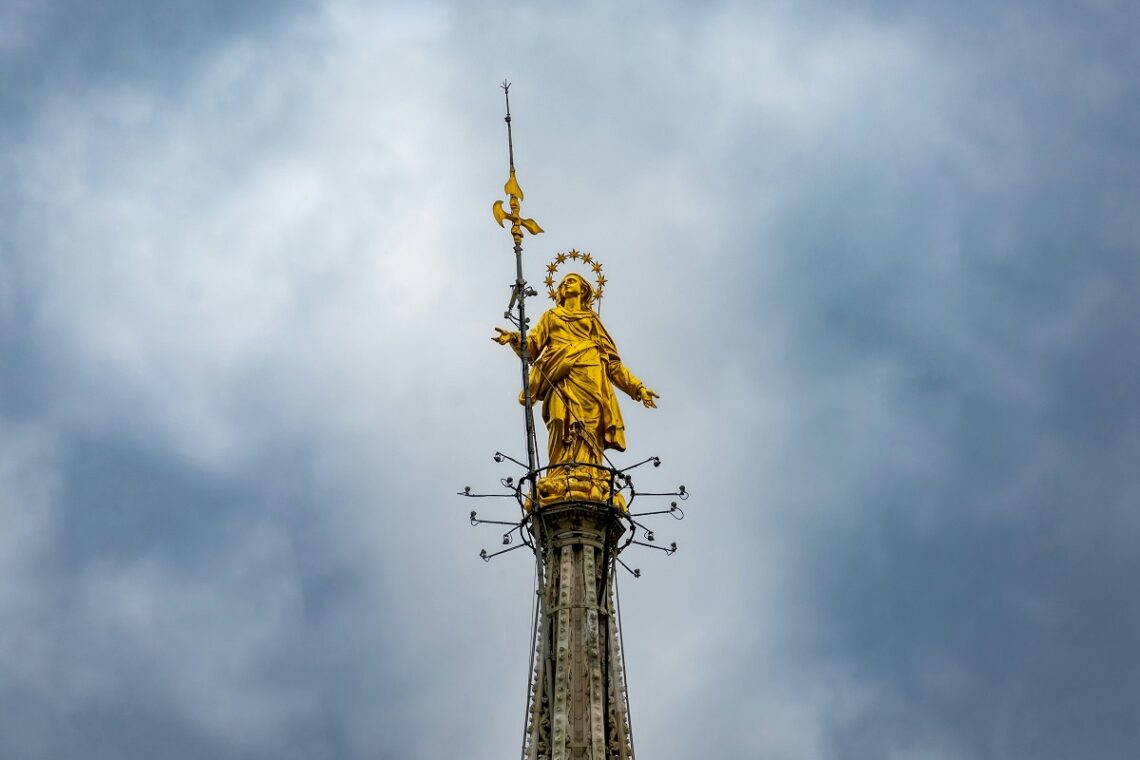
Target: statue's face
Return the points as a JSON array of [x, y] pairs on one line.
[[575, 285], [571, 285]]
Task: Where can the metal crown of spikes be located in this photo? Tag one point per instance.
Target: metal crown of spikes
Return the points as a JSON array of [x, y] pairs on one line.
[[512, 189]]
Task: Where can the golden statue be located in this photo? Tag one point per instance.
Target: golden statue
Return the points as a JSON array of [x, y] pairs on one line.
[[575, 368]]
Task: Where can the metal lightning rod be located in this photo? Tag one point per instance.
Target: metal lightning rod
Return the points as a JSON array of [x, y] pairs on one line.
[[518, 297], [520, 291]]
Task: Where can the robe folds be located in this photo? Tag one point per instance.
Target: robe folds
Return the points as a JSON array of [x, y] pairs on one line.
[[575, 368]]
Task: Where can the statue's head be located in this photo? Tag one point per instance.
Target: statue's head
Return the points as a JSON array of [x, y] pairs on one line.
[[575, 284]]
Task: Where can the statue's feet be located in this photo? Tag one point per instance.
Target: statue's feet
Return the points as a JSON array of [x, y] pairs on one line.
[[581, 483]]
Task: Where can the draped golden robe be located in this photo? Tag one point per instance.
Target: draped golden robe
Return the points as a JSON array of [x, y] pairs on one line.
[[576, 366]]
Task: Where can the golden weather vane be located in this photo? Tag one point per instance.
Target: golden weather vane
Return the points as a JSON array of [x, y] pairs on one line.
[[512, 189]]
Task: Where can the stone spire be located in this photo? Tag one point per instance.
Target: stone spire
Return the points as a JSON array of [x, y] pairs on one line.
[[578, 706]]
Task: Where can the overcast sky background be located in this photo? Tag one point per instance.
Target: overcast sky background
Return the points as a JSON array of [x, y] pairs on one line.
[[879, 260]]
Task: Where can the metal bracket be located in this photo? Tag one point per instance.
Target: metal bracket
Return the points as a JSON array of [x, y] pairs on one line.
[[634, 571], [671, 550]]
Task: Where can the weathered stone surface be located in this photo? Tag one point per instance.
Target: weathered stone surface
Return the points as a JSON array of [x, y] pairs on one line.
[[578, 704]]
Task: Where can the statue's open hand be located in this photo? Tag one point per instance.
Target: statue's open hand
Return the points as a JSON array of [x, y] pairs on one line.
[[646, 397], [505, 338]]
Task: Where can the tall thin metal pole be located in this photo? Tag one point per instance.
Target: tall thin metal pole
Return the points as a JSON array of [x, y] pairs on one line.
[[519, 297]]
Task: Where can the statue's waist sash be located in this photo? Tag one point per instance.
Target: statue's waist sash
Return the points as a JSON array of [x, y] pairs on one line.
[[558, 361]]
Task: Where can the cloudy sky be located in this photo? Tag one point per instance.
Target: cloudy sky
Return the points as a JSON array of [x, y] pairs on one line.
[[879, 260]]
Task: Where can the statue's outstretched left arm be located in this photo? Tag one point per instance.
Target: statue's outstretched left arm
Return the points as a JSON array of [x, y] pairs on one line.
[[624, 379]]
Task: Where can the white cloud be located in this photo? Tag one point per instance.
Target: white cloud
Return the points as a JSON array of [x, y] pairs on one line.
[[268, 232]]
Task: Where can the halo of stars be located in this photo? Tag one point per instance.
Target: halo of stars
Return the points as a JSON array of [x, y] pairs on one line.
[[575, 255]]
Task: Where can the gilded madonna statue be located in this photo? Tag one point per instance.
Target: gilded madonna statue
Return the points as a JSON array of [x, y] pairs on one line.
[[575, 368]]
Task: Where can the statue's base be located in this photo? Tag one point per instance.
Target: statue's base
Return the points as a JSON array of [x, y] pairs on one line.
[[577, 483]]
